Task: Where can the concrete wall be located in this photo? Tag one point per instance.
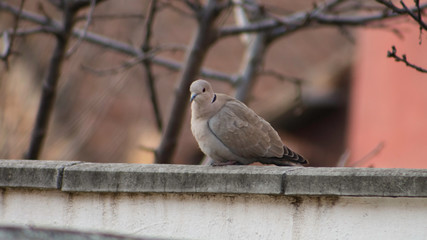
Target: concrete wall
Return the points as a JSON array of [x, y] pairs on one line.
[[201, 202]]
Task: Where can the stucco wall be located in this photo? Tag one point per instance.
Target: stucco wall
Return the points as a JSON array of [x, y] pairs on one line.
[[99, 197], [195, 216]]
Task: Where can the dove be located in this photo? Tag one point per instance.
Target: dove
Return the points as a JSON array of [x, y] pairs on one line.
[[230, 133]]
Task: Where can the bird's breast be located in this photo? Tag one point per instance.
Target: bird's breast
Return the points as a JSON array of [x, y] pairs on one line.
[[209, 143]]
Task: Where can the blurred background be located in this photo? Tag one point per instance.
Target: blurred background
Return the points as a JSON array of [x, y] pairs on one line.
[[358, 108]]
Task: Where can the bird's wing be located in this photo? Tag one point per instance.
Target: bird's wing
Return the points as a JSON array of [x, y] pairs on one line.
[[244, 133]]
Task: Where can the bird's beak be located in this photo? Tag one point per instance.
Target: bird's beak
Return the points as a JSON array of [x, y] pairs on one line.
[[193, 96]]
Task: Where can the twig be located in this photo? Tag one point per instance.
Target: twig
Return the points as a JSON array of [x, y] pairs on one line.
[[85, 27], [417, 4], [110, 17], [411, 11], [194, 5], [169, 4], [281, 76], [146, 149], [84, 125], [342, 161], [369, 155], [133, 61], [406, 10], [347, 34], [114, 70], [418, 19], [297, 81], [73, 5], [24, 32], [352, 6], [8, 41], [147, 63], [392, 54], [391, 6], [40, 8], [282, 25]]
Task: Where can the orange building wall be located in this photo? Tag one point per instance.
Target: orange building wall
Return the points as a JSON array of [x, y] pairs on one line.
[[389, 101]]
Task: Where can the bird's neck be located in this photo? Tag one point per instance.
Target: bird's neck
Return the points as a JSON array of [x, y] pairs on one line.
[[204, 110]]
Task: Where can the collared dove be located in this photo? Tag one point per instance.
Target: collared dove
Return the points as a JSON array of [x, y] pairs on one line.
[[229, 132]]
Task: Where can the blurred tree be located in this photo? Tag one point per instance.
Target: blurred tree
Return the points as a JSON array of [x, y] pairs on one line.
[[258, 24]]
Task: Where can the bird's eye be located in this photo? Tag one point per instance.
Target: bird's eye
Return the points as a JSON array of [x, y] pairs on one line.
[[204, 90]]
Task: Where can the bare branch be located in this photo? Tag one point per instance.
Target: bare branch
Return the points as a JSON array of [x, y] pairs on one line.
[[117, 69], [297, 81], [343, 159], [195, 5], [9, 40], [282, 77], [27, 31], [256, 46], [391, 6], [392, 54], [241, 20], [374, 152], [48, 24], [406, 10], [133, 61], [40, 8], [49, 87], [419, 20], [73, 5], [194, 59], [416, 18], [281, 25], [170, 5], [152, 8], [147, 149], [86, 26], [110, 17], [52, 26]]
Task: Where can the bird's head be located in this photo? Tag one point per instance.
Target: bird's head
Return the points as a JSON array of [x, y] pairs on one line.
[[201, 92]]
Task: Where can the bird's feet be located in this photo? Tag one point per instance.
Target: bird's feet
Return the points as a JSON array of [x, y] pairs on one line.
[[217, 163]]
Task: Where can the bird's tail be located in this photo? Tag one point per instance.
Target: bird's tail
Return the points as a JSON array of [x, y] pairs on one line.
[[289, 158]]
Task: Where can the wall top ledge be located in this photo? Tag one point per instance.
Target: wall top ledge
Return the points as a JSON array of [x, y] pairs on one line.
[[73, 176]]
